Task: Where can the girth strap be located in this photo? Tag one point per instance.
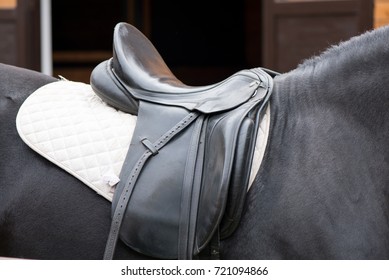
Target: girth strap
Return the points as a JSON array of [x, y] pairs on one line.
[[132, 178]]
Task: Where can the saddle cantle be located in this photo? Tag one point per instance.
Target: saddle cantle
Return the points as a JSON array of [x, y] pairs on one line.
[[137, 72], [187, 170]]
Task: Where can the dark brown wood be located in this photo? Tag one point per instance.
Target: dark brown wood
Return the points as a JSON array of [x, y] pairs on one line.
[[28, 24], [82, 34], [8, 31], [278, 34], [20, 33], [253, 31], [146, 16], [296, 30]]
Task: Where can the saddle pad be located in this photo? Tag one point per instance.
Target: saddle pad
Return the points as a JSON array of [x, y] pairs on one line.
[[68, 124]]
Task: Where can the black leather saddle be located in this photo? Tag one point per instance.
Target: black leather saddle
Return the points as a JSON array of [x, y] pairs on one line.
[[187, 169]]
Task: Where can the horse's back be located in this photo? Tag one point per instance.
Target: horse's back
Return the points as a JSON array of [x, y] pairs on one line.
[[31, 186]]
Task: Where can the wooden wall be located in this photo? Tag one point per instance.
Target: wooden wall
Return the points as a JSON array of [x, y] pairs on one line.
[[202, 45], [294, 30], [381, 13], [7, 4], [20, 33], [82, 36]]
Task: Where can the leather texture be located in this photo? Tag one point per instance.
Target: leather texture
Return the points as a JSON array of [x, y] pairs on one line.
[[105, 85], [191, 150]]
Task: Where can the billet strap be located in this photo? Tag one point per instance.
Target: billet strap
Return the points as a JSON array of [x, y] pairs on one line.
[[132, 178], [191, 192]]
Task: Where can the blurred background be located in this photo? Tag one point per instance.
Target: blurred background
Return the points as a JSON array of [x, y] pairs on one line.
[[202, 41]]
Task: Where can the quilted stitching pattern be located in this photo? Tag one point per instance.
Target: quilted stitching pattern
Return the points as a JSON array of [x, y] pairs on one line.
[[69, 125]]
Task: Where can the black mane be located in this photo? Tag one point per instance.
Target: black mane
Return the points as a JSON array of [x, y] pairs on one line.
[[351, 77], [370, 50]]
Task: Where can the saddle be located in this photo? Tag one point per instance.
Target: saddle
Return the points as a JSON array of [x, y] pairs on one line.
[[186, 173]]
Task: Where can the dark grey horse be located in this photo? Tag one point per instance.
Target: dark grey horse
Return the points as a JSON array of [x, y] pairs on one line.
[[322, 191]]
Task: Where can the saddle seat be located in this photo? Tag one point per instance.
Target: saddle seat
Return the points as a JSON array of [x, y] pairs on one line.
[[184, 180], [138, 72]]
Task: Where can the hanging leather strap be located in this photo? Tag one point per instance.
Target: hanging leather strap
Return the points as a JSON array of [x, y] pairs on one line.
[[191, 193], [132, 178]]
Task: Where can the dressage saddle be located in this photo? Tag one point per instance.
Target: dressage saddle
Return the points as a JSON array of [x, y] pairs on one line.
[[186, 173]]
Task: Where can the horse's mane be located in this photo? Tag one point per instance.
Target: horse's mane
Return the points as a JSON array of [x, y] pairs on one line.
[[352, 75], [368, 47]]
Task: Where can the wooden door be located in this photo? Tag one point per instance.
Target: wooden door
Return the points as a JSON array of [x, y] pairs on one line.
[[82, 34], [202, 41], [20, 33], [294, 30]]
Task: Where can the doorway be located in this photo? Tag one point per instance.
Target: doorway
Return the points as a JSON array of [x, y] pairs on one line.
[[200, 41]]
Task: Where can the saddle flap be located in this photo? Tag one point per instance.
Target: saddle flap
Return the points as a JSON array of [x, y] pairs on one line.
[[150, 223], [228, 153]]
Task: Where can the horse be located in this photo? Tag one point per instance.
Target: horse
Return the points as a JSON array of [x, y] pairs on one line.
[[321, 192]]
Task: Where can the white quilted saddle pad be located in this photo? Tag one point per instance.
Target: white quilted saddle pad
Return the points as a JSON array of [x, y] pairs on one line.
[[69, 125]]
